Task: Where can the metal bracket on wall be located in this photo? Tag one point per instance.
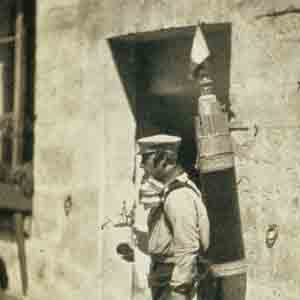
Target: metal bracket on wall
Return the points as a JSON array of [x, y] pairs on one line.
[[246, 125], [243, 126]]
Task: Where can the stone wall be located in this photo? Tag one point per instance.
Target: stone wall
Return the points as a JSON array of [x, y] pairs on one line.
[[264, 75], [68, 158]]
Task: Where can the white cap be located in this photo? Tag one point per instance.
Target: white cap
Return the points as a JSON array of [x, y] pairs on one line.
[[157, 142]]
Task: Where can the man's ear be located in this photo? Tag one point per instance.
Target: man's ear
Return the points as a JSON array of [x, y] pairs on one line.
[[162, 159], [157, 159]]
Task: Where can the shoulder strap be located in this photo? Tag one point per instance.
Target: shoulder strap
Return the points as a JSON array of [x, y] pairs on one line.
[[179, 184]]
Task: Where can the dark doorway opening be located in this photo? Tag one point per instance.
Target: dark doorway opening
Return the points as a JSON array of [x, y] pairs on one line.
[[154, 69]]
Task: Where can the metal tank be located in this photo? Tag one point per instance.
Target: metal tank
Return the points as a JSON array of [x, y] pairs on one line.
[[215, 162]]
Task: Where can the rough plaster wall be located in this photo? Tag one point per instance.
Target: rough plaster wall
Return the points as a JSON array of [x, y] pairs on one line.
[[268, 164], [119, 161], [63, 251], [264, 75]]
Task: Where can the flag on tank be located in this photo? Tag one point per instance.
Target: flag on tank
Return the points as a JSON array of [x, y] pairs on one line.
[[199, 51]]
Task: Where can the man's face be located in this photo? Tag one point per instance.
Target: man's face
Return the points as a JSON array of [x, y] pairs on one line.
[[154, 166], [150, 184]]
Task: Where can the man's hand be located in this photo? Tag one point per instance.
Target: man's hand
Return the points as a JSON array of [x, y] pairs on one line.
[[125, 251]]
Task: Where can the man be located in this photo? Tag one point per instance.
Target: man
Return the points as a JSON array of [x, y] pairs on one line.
[[178, 223]]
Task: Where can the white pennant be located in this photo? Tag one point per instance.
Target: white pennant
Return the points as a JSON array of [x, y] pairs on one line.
[[200, 50]]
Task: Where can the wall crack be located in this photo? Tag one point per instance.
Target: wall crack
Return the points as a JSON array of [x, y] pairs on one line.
[[279, 13]]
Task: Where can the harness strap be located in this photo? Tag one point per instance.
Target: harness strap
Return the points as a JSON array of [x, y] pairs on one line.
[[203, 263], [180, 184]]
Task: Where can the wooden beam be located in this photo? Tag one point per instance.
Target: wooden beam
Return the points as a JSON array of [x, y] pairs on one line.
[[20, 239], [18, 143], [19, 103]]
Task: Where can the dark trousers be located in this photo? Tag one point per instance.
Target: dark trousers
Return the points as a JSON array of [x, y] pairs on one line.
[[167, 293]]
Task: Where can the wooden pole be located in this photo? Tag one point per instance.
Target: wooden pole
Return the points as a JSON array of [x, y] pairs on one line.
[[18, 108], [17, 157], [19, 230]]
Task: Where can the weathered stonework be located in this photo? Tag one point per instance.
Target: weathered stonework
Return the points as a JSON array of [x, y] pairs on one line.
[[264, 75]]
